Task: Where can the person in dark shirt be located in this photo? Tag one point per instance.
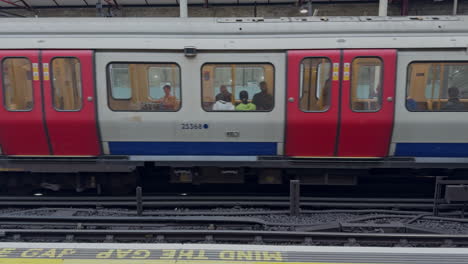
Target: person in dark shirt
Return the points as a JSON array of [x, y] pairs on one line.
[[453, 103], [263, 100], [224, 94]]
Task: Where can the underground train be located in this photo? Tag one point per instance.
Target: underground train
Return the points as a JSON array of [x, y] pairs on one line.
[[212, 97]]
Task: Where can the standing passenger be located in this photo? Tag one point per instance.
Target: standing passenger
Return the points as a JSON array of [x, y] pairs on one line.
[[263, 100], [411, 104]]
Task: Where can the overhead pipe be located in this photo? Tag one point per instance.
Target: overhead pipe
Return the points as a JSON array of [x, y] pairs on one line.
[[183, 6], [383, 7]]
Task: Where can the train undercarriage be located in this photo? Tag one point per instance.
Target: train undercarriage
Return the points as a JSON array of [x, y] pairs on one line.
[[120, 176]]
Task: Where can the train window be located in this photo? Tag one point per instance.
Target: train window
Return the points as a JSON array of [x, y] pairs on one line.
[[120, 81], [144, 87], [437, 86], [17, 84], [366, 84], [238, 87], [66, 84], [315, 84]]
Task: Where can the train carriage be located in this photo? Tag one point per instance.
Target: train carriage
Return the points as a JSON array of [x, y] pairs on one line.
[[315, 93]]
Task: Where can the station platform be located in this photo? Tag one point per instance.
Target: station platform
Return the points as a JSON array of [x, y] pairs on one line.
[[102, 253]]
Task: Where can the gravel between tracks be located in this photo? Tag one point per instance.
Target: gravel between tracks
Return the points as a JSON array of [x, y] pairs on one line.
[[277, 220]]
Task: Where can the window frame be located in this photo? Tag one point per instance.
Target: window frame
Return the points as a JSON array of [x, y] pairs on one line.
[[3, 83], [238, 111], [109, 86], [301, 85], [382, 86], [52, 86], [407, 79]]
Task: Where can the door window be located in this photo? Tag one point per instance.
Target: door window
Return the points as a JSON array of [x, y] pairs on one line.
[[66, 84], [315, 84], [366, 86], [17, 84]]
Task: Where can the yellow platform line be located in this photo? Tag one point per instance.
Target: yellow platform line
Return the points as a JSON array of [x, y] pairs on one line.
[[143, 261]]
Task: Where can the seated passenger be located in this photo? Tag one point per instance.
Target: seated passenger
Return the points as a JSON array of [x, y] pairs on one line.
[[453, 103], [411, 104], [223, 100], [168, 101], [221, 105], [263, 100], [245, 105], [224, 94]]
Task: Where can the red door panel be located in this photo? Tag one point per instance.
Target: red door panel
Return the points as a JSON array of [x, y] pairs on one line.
[[367, 133], [310, 133], [22, 129], [72, 126]]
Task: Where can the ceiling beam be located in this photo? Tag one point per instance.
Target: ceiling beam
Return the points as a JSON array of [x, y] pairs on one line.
[[13, 4], [26, 4]]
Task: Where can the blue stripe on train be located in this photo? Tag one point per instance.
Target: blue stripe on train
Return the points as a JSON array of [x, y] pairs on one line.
[[432, 149], [192, 148]]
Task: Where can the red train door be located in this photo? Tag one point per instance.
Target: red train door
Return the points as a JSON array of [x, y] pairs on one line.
[[340, 103], [368, 92], [69, 102], [22, 128], [312, 102]]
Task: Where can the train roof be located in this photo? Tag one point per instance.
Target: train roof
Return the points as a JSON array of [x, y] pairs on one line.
[[238, 26], [235, 33]]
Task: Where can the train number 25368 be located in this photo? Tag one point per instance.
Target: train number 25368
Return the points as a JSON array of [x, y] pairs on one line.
[[194, 126]]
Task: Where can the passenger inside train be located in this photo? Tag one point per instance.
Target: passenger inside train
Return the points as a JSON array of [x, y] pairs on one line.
[[168, 101], [453, 103], [263, 100], [224, 94], [245, 105], [223, 100]]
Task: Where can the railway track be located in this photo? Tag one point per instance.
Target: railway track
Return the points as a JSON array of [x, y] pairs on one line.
[[235, 236], [220, 219], [221, 201]]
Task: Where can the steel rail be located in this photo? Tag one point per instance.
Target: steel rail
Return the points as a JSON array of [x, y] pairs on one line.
[[212, 197], [244, 236], [222, 201], [213, 204], [136, 220]]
